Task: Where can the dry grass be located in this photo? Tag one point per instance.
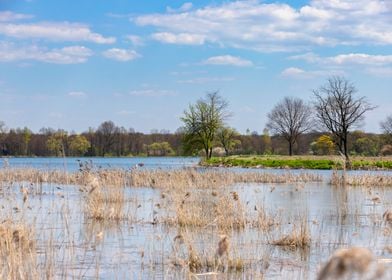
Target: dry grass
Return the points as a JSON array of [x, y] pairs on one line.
[[367, 180], [17, 251], [182, 178], [200, 209], [298, 238], [104, 204]]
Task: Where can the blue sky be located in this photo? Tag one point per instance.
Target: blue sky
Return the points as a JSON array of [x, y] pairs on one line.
[[74, 64]]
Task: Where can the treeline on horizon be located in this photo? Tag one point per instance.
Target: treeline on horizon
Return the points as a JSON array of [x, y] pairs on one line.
[[111, 140], [294, 123]]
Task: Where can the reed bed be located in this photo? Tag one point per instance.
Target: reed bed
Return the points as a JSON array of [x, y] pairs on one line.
[[366, 180], [187, 177]]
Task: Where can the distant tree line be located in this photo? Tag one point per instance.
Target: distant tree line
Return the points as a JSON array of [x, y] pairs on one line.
[[323, 127], [126, 142]]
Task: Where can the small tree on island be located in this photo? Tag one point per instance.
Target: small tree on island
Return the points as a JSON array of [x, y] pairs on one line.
[[290, 118], [338, 110], [202, 121], [226, 137]]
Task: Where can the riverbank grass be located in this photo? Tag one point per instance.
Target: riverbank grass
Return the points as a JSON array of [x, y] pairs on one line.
[[299, 162]]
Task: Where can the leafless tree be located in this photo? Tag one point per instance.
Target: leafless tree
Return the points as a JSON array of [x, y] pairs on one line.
[[338, 110], [290, 118], [107, 134], [386, 125]]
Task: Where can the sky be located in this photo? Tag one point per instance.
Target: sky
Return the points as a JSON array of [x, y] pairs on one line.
[[73, 64]]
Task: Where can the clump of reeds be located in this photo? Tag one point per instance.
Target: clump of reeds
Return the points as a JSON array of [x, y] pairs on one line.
[[298, 238], [346, 262], [17, 251], [200, 209], [104, 204], [264, 221]]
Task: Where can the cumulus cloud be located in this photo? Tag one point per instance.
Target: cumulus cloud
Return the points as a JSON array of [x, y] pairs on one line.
[[11, 16], [67, 55], [121, 54], [228, 60], [179, 38], [299, 73], [261, 26], [54, 31]]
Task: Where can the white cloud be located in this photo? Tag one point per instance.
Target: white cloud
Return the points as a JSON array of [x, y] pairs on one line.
[[292, 71], [179, 38], [77, 94], [346, 59], [152, 93], [299, 73], [228, 60], [67, 55], [256, 25], [64, 31], [121, 54], [11, 16]]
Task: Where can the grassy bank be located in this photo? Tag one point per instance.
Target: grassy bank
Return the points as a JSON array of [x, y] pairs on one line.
[[299, 162]]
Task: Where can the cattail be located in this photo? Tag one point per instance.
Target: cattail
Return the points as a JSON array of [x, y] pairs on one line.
[[387, 216], [223, 246]]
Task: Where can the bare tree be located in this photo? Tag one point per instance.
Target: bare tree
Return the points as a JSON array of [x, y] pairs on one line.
[[386, 125], [201, 122], [290, 118], [107, 134], [338, 110]]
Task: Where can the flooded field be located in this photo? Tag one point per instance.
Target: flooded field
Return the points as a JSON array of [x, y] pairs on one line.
[[187, 223]]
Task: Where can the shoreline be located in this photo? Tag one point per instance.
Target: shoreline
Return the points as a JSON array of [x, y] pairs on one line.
[[299, 162]]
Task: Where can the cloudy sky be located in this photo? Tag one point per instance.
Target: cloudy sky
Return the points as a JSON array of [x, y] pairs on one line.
[[73, 64]]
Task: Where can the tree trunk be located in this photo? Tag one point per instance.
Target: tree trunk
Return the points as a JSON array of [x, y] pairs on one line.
[[290, 148], [345, 149]]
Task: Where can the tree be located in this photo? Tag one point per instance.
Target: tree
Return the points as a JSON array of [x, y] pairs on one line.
[[56, 143], [386, 127], [226, 137], [79, 145], [323, 145], [201, 122], [107, 135], [159, 149], [26, 139], [338, 110], [290, 118]]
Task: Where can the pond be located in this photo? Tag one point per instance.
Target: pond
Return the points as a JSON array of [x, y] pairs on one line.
[[143, 243]]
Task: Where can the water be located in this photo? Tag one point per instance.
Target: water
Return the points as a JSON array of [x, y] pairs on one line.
[[139, 248], [72, 163]]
